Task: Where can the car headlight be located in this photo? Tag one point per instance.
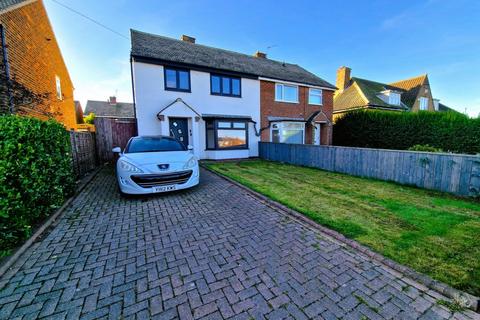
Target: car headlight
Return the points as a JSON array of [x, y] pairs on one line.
[[190, 163], [124, 165]]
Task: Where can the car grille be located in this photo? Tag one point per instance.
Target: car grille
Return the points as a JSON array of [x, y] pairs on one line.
[[153, 180]]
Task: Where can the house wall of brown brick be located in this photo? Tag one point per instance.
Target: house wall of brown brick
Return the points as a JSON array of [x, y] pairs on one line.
[[426, 92], [270, 107], [35, 60]]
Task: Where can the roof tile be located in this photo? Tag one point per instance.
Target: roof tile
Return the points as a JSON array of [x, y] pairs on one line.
[[176, 51]]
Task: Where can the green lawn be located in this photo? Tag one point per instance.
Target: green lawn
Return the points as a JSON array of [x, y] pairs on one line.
[[432, 232]]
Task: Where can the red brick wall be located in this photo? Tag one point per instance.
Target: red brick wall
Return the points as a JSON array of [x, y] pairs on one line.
[[35, 58], [270, 107]]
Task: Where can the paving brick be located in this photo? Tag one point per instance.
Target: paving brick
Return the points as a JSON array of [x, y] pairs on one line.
[[211, 252]]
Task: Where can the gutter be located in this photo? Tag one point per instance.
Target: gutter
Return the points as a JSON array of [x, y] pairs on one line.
[[7, 68]]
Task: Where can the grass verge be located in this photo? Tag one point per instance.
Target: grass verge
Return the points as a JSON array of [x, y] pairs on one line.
[[431, 232]]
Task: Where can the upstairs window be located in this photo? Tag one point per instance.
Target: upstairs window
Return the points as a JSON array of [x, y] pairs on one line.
[[315, 96], [394, 99], [225, 85], [423, 103], [177, 79], [58, 85], [286, 93]]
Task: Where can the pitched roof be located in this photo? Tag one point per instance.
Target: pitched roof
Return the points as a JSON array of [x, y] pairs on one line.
[[176, 51], [366, 92], [362, 93], [350, 98], [412, 87], [444, 108], [105, 109], [6, 4]]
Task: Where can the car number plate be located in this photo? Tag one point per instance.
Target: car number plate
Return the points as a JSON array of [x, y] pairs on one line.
[[164, 188]]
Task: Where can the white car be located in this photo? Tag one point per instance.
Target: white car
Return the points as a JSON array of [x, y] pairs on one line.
[[151, 164]]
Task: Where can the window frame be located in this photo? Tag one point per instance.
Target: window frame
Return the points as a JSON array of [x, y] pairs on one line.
[[398, 99], [283, 85], [58, 87], [223, 76], [420, 103], [318, 95], [177, 79], [232, 127], [280, 128]]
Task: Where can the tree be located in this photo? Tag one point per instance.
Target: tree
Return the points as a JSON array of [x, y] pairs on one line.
[[90, 118]]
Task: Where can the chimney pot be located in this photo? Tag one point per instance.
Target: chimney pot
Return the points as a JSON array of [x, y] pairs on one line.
[[260, 54], [187, 38], [112, 100], [343, 78]]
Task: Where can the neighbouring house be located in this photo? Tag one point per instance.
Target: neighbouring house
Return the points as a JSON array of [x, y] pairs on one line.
[[34, 78], [223, 103], [110, 109], [412, 94], [78, 112]]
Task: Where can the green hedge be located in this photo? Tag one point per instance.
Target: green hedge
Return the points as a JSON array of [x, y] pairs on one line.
[[35, 175], [449, 131]]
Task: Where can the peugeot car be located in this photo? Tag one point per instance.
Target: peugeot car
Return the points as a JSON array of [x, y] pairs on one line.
[[151, 164]]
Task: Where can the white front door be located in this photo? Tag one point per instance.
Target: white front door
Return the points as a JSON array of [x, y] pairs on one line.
[[316, 137]]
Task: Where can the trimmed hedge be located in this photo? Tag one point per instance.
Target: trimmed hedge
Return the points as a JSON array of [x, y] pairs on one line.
[[449, 131], [35, 175]]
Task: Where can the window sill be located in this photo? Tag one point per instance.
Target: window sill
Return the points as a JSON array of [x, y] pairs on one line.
[[178, 90], [227, 149], [316, 104], [292, 102], [224, 95]]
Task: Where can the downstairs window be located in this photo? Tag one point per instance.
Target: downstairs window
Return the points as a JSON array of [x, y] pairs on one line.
[[225, 134], [288, 132]]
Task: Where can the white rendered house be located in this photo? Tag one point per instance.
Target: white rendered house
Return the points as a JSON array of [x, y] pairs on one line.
[[206, 97]]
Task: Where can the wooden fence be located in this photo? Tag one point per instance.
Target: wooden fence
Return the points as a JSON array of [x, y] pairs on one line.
[[111, 133], [454, 173], [83, 152]]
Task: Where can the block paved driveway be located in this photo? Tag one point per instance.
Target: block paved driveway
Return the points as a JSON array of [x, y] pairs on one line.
[[211, 252]]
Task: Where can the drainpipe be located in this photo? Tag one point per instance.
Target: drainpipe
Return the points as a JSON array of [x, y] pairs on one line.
[[7, 68], [133, 93]]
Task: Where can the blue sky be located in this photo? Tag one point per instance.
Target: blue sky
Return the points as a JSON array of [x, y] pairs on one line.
[[380, 40]]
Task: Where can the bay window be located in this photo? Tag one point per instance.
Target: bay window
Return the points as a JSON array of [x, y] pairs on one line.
[[226, 134], [288, 132], [286, 93]]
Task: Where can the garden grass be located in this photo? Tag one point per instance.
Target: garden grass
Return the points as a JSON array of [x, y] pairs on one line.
[[432, 232]]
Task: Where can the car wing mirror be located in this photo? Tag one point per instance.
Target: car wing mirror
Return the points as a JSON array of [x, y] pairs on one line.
[[117, 150], [190, 148]]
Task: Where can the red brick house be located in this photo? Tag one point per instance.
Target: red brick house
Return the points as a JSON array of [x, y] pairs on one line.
[[35, 79], [310, 108]]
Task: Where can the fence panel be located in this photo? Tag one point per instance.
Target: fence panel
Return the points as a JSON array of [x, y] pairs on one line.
[[111, 133], [454, 173], [83, 152]]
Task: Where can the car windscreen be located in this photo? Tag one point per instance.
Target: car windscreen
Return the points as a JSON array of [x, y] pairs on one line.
[[153, 144]]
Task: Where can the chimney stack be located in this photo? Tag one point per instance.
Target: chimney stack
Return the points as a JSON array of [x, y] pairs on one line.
[[112, 100], [343, 78], [260, 54], [187, 38]]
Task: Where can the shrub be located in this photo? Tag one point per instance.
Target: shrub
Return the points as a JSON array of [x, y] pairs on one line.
[[424, 147], [90, 118], [449, 131], [35, 175]]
